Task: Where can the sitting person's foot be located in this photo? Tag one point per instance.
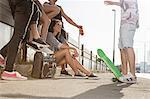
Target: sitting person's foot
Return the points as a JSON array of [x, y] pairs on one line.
[[92, 75], [64, 72], [40, 42], [38, 48], [33, 46], [79, 75], [12, 76]]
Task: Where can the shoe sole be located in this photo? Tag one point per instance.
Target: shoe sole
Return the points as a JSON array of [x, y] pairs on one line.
[[39, 45], [48, 51], [93, 78], [64, 75], [33, 48], [12, 79]]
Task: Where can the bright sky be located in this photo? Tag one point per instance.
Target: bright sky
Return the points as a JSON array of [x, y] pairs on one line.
[[97, 20]]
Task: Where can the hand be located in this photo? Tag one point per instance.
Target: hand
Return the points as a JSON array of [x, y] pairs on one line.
[[75, 53], [108, 2], [81, 29], [79, 26]]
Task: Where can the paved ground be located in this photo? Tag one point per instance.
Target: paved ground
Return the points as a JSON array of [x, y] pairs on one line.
[[68, 88]]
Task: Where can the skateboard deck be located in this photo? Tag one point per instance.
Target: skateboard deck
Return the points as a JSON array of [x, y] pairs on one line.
[[109, 64]]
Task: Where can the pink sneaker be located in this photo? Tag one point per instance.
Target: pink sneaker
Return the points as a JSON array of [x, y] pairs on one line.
[[12, 76]]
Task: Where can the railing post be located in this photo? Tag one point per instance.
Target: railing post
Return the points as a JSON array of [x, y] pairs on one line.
[[96, 63], [82, 54], [91, 59]]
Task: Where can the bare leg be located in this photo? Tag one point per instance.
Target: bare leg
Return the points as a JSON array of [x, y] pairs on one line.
[[45, 25], [80, 67], [131, 60], [65, 54], [124, 61], [63, 65], [62, 62], [34, 31]]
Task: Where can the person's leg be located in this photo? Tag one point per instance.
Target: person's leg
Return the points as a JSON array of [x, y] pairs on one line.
[[19, 32], [65, 54], [35, 41], [63, 66], [22, 17], [51, 10], [45, 21], [122, 46], [81, 68], [131, 60], [123, 61], [127, 41]]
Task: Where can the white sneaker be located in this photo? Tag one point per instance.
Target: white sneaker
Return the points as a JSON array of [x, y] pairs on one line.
[[12, 76], [129, 78]]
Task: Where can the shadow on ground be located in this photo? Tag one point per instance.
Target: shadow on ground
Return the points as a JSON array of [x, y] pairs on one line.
[[110, 91], [102, 92]]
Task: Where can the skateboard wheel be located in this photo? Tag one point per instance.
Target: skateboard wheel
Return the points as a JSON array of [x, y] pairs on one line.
[[114, 79]]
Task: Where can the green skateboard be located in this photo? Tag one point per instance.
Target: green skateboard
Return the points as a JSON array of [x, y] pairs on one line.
[[110, 65]]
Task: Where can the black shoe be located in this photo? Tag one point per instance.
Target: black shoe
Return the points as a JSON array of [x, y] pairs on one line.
[[40, 48], [79, 75], [33, 46], [40, 42], [64, 72]]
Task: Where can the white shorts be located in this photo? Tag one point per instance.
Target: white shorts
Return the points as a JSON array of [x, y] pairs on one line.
[[127, 32]]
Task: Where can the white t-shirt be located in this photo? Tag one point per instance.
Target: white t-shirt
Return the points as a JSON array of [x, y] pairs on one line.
[[129, 12]]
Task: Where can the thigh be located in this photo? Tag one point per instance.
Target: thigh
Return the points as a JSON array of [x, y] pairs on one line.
[[49, 8], [60, 55], [22, 17]]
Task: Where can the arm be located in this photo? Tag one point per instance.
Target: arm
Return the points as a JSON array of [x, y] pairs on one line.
[[68, 19], [51, 40], [112, 3], [73, 50]]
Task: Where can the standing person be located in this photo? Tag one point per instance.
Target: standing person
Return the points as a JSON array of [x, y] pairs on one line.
[[22, 11], [63, 36], [129, 24]]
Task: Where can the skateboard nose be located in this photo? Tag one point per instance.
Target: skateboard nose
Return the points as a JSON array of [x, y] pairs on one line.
[[100, 53]]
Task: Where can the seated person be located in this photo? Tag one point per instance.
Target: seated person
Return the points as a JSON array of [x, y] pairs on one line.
[[38, 19], [62, 51]]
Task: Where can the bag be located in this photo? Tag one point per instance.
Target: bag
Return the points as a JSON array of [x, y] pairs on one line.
[[43, 66]]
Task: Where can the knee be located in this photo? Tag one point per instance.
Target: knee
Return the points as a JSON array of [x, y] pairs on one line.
[[45, 20], [56, 10], [66, 51]]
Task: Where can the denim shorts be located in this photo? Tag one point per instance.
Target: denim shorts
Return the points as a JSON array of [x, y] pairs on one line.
[[127, 32]]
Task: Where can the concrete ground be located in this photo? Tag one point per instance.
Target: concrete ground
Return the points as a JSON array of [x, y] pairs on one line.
[[69, 88]]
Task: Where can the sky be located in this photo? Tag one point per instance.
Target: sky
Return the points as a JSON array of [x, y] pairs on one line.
[[98, 23]]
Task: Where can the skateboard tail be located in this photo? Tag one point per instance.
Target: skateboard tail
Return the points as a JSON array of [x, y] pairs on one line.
[[110, 65]]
